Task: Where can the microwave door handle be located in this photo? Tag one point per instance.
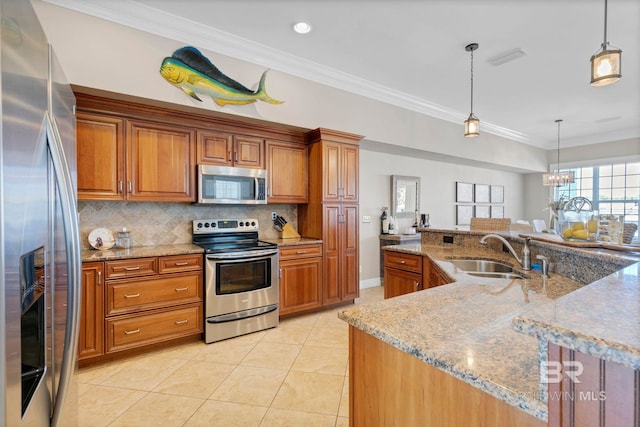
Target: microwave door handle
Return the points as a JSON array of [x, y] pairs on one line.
[[256, 188]]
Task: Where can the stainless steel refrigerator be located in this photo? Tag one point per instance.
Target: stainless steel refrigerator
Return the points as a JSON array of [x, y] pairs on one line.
[[40, 262]]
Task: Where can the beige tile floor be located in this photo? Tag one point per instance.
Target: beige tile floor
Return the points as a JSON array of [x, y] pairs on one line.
[[293, 375]]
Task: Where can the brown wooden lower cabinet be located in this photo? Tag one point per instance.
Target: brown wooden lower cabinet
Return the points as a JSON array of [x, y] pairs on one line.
[[591, 392], [388, 387], [137, 302], [91, 336], [300, 278], [405, 273]]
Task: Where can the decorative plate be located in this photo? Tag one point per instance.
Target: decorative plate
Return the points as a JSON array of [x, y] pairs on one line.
[[101, 239]]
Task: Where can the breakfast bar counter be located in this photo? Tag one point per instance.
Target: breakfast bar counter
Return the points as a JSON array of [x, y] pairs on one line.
[[466, 328]]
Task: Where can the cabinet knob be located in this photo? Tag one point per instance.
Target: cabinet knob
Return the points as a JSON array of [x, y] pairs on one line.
[[401, 261], [186, 288], [182, 322], [135, 331], [137, 267], [132, 296], [180, 264], [417, 286], [99, 277]]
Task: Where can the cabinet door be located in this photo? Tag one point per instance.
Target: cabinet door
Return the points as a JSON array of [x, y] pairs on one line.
[[400, 282], [214, 148], [331, 171], [161, 162], [248, 152], [100, 156], [331, 259], [349, 173], [91, 337], [287, 173], [349, 252], [300, 284]]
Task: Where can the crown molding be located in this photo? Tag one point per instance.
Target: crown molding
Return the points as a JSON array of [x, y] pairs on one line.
[[173, 27]]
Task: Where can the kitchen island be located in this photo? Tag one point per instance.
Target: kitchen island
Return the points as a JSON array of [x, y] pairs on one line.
[[450, 355]]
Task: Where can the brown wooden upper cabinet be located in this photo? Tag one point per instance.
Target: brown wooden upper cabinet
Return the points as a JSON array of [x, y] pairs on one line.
[[121, 159], [341, 171], [100, 151], [288, 180], [225, 149]]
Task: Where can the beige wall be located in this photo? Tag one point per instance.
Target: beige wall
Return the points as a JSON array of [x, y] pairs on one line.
[[437, 196]]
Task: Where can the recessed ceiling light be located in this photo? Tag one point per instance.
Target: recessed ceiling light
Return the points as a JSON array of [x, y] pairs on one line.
[[507, 56], [302, 28]]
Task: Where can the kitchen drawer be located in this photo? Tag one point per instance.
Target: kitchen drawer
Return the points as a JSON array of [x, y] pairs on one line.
[[126, 332], [300, 251], [179, 263], [131, 268], [144, 294], [403, 261]]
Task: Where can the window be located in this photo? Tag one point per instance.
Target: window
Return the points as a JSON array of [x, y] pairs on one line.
[[613, 188]]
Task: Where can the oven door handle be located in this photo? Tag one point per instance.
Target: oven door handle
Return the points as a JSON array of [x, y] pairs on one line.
[[243, 255]]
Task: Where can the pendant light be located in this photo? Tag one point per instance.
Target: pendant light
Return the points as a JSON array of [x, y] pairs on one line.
[[606, 62], [557, 179], [472, 124]]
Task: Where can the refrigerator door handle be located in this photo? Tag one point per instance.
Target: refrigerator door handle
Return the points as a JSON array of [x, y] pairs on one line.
[[74, 264]]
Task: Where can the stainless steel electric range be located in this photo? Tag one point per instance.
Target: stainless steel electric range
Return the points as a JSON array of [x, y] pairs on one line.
[[240, 275]]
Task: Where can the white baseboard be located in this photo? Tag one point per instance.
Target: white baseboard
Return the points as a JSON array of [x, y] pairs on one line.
[[370, 283]]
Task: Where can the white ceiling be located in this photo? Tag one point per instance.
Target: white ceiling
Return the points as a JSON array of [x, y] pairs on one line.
[[411, 53]]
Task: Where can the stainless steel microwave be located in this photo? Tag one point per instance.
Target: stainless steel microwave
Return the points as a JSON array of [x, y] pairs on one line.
[[231, 186]]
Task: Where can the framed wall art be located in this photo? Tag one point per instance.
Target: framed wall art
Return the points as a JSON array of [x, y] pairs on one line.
[[482, 211], [481, 193], [497, 211], [464, 213], [497, 194], [464, 192]]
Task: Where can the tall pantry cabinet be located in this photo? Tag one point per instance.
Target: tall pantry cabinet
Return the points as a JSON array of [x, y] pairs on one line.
[[332, 211]]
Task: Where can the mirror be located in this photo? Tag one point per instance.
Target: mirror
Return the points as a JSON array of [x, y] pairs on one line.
[[405, 196]]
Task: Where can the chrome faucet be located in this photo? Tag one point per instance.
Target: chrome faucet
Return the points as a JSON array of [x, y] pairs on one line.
[[525, 262]]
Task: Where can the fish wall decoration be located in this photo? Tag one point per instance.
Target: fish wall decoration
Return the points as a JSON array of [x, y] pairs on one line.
[[193, 73]]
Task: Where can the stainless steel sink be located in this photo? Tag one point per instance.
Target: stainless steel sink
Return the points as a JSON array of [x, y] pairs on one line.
[[497, 275], [481, 266]]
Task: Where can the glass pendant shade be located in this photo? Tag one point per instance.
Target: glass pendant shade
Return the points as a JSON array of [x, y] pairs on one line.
[[606, 63], [606, 66], [471, 126]]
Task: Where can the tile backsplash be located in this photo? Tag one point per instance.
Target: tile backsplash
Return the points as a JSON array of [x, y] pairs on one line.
[[154, 223]]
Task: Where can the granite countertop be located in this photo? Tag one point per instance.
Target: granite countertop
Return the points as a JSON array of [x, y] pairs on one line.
[[89, 255], [466, 328], [602, 319], [293, 241]]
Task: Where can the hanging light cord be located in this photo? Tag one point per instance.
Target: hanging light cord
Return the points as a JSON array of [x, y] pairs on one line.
[[604, 44], [558, 122], [472, 81]]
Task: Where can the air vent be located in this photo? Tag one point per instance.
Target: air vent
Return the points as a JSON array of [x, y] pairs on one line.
[[507, 56]]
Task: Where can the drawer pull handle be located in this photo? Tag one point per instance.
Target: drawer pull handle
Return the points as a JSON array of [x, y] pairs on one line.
[[137, 267], [180, 264], [401, 261], [135, 331], [182, 322], [182, 289], [132, 295], [301, 252]]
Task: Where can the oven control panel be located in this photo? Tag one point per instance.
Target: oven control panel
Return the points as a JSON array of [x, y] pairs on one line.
[[202, 226]]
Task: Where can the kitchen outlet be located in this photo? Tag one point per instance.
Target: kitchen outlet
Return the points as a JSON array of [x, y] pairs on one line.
[[366, 218], [447, 239], [273, 216]]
